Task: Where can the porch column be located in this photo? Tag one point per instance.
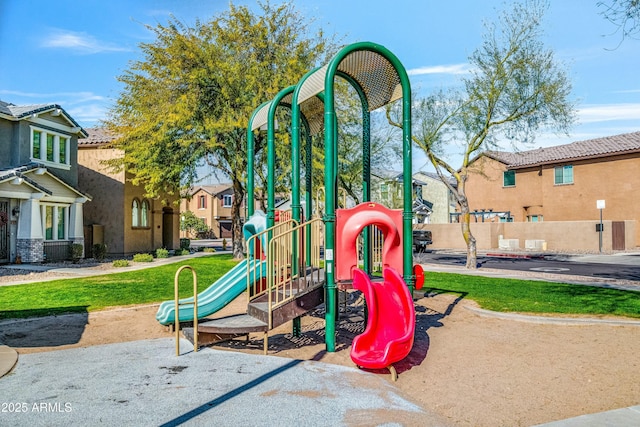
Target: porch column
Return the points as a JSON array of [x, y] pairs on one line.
[[76, 228], [29, 238]]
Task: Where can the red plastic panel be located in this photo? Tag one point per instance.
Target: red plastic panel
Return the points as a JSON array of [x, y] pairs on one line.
[[349, 225]]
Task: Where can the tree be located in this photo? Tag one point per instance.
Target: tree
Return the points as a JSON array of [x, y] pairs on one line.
[[385, 143], [515, 89], [193, 225], [624, 14], [189, 99]]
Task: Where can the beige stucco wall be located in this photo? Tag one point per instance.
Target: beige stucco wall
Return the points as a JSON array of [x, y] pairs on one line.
[[113, 196], [613, 179], [107, 189], [560, 236]]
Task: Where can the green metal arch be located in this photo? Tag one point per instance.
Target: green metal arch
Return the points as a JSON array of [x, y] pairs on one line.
[[331, 174]]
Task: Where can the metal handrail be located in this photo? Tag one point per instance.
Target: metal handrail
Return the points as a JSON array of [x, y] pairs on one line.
[[254, 262], [177, 308], [286, 265]]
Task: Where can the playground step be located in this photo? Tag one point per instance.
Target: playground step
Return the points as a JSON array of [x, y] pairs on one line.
[[301, 304], [211, 331]]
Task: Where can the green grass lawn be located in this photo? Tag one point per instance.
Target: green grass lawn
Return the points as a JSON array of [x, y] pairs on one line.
[[145, 286], [532, 296], [155, 284]]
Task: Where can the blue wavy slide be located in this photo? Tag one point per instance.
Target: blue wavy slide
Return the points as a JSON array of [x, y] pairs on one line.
[[215, 297]]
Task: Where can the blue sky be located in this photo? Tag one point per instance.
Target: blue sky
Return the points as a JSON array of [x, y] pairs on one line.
[[70, 52]]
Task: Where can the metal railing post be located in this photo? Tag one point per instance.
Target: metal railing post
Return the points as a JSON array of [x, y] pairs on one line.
[[177, 308]]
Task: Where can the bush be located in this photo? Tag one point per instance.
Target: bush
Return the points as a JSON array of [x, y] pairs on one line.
[[185, 243], [143, 258], [208, 250], [99, 251], [185, 252], [120, 263], [75, 251], [162, 253]]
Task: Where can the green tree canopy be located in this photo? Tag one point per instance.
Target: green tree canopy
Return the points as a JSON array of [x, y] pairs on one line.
[[193, 225], [515, 89], [190, 97]]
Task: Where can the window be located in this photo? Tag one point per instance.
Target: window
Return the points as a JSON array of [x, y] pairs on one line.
[[55, 222], [37, 138], [50, 144], [144, 214], [62, 150], [534, 218], [50, 148], [135, 212], [226, 201], [384, 192], [140, 211], [509, 179], [202, 202], [564, 174]]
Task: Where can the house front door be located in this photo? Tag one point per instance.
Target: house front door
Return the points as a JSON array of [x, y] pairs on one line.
[[4, 231], [167, 228], [617, 236]]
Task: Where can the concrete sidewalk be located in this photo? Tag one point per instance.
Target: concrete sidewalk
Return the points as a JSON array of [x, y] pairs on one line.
[[145, 383], [82, 271]]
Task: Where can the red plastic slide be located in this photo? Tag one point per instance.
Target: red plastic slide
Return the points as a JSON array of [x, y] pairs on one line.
[[391, 324], [349, 225]]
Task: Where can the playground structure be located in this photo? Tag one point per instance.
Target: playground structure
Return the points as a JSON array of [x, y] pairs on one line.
[[293, 266]]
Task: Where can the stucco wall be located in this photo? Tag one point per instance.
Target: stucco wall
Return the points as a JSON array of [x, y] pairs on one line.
[[613, 179], [107, 189], [562, 236]]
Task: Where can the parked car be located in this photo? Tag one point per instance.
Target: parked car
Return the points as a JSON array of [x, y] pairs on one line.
[[421, 239]]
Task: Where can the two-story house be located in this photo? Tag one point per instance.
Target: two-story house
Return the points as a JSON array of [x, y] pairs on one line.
[[120, 215], [41, 205], [561, 183], [212, 204]]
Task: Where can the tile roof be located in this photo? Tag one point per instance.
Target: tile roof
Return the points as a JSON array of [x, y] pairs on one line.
[[588, 149], [96, 137], [213, 189]]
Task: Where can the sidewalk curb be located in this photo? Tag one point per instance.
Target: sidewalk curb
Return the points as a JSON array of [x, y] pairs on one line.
[[565, 321], [8, 359]]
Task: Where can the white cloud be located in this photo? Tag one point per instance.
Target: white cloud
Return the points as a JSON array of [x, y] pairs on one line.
[[67, 98], [440, 69], [609, 112], [78, 42], [88, 115], [627, 91]]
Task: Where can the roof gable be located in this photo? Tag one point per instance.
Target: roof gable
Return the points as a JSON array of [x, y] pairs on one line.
[[23, 112], [212, 190], [39, 179]]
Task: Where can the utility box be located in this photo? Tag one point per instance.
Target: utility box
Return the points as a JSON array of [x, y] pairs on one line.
[[509, 244], [535, 245]]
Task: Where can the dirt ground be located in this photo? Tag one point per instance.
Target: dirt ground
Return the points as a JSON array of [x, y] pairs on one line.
[[472, 370]]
